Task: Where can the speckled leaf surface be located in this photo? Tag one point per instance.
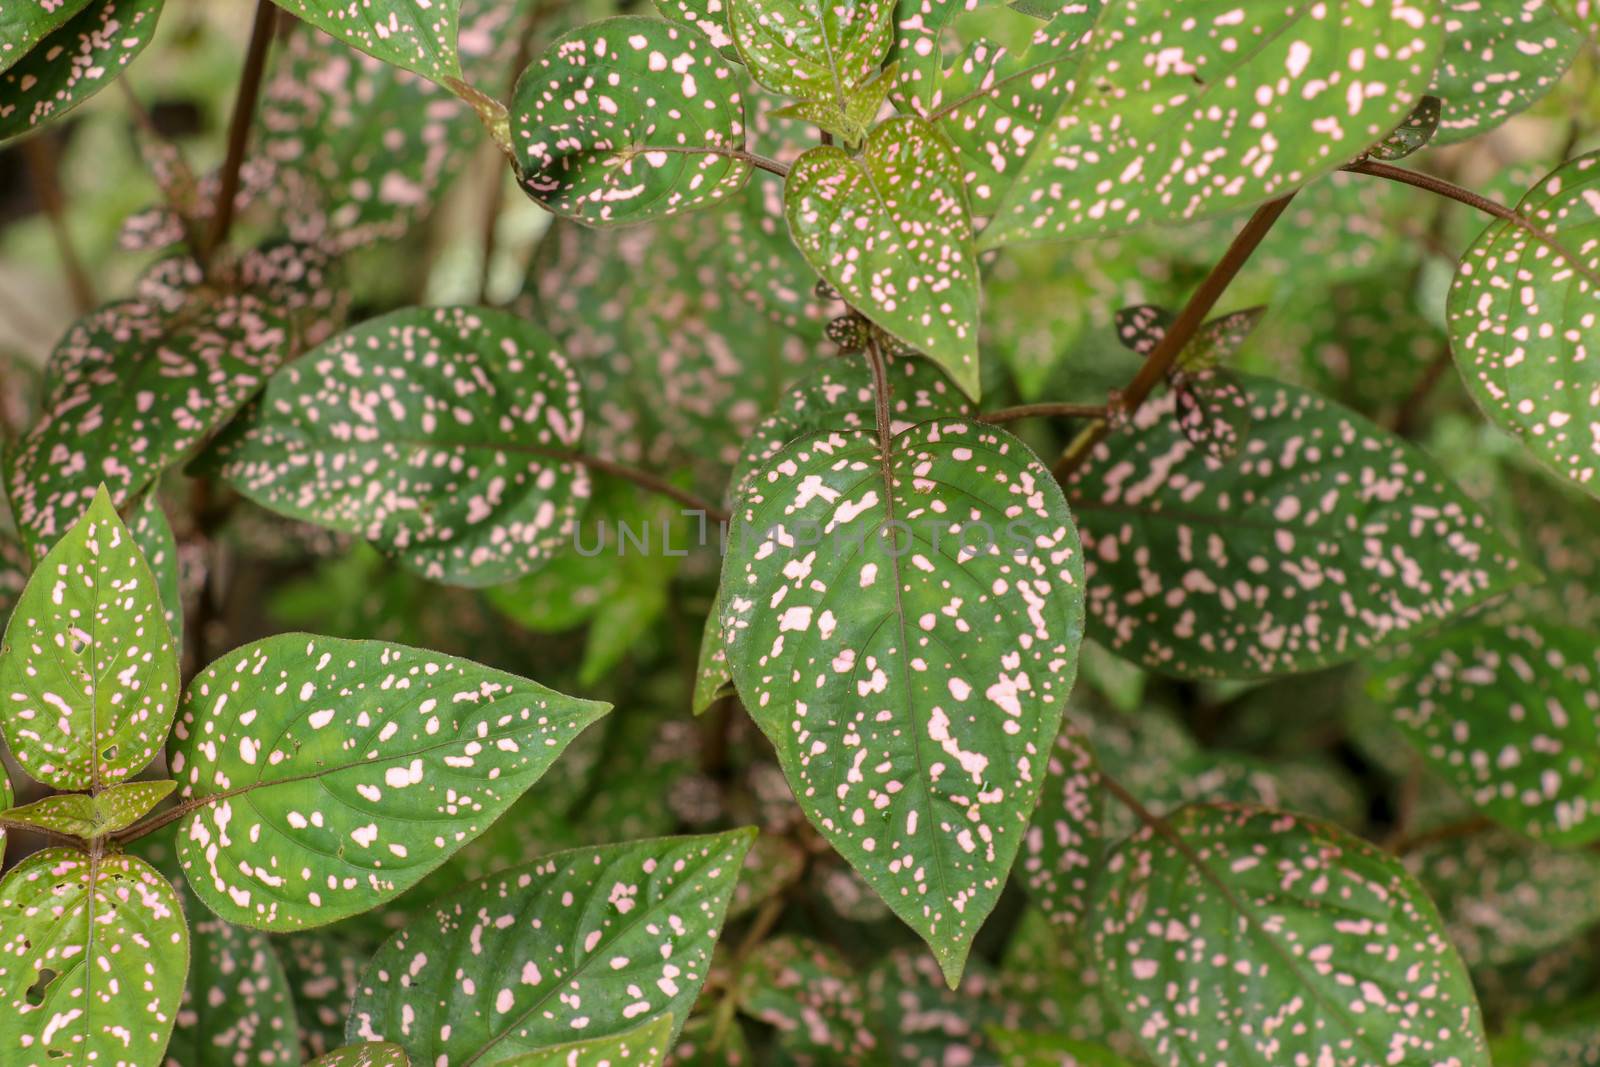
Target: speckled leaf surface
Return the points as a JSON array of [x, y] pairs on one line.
[[24, 23], [1499, 59], [643, 1046], [889, 230], [366, 1054], [629, 119], [418, 35], [710, 17], [1181, 111], [1323, 537], [131, 389], [1414, 133], [810, 995], [812, 49], [903, 626], [153, 534], [1291, 941], [111, 936], [332, 774], [1524, 320], [1510, 715], [88, 671], [74, 62], [82, 815], [1063, 843], [237, 1008], [442, 435], [584, 944]]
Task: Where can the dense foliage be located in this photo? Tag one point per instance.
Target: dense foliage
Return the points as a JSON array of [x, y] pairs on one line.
[[1059, 532]]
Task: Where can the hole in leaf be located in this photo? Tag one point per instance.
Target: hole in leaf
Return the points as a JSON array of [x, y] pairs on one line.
[[78, 645], [35, 993], [110, 753]]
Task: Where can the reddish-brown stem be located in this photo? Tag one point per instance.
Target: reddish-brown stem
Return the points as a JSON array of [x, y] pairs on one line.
[[1410, 410], [645, 480], [43, 166], [1189, 320], [1046, 410], [244, 112]]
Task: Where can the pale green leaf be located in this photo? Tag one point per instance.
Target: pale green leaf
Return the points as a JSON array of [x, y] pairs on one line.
[[74, 62], [889, 230], [366, 1054], [1524, 319], [24, 23], [237, 1008], [813, 49], [629, 119], [153, 534], [327, 776], [904, 629], [88, 671], [1498, 60], [93, 954], [710, 17], [1292, 941], [84, 815], [1507, 714], [1182, 110], [713, 678], [1323, 537], [584, 944], [132, 389], [419, 37], [643, 1046], [442, 435]]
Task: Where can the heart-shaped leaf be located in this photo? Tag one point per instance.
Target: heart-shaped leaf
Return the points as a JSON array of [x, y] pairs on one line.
[[586, 944], [1323, 537], [419, 37], [889, 230], [93, 953], [1524, 319], [74, 62], [327, 776], [133, 388], [237, 1007], [1507, 715], [812, 49], [442, 435], [85, 815], [1177, 113], [629, 119], [902, 619], [1292, 941], [24, 23], [643, 1046], [88, 671], [1498, 60]]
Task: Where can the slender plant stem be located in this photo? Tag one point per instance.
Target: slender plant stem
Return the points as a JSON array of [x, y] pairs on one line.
[[1047, 410], [44, 168], [760, 162], [645, 480], [1165, 353], [244, 111], [1410, 410], [1440, 187]]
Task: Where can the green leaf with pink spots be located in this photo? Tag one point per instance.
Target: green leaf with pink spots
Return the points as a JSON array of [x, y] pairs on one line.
[[88, 670], [1524, 321], [581, 945], [328, 776], [72, 64], [93, 954], [92, 815], [889, 230], [1508, 715], [419, 37], [445, 436], [903, 624], [133, 388], [1321, 538], [629, 119], [1499, 59], [1180, 111], [1064, 845], [366, 1054], [24, 23], [643, 1046], [813, 50], [1292, 942]]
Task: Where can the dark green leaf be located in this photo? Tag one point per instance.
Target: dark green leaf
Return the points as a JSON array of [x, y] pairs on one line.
[[329, 775], [643, 1046], [417, 37], [74, 62], [1063, 845], [366, 1054], [1413, 134], [812, 50], [237, 1008], [24, 23], [1498, 60]]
